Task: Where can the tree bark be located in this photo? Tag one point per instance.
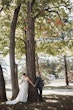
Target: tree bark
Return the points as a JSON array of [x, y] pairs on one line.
[[15, 87], [2, 87], [30, 55], [66, 73], [37, 64]]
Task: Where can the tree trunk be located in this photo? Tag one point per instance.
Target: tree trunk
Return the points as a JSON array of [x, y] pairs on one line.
[[66, 73], [30, 55], [37, 64], [15, 87], [2, 87], [16, 73]]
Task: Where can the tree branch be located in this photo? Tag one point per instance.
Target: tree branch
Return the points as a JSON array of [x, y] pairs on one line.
[[48, 10], [1, 9], [21, 39], [39, 13], [33, 1]]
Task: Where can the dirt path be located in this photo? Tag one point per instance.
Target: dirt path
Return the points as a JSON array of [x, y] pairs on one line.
[[57, 87]]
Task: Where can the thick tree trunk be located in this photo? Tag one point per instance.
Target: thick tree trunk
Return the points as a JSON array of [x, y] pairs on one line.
[[66, 73], [30, 56], [37, 64], [2, 87], [15, 87]]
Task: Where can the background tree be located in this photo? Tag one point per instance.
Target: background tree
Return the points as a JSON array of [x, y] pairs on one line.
[[2, 86], [12, 53]]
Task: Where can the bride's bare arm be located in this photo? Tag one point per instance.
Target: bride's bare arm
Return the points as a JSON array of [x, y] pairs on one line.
[[31, 82]]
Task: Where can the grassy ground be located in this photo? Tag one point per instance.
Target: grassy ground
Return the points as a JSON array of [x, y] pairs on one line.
[[52, 102]]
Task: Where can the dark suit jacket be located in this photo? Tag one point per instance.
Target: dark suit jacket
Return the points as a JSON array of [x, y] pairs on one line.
[[39, 82]]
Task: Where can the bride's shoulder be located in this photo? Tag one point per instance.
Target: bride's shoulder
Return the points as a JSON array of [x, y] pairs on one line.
[[26, 78]]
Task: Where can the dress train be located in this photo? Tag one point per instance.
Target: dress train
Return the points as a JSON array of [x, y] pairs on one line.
[[22, 95]]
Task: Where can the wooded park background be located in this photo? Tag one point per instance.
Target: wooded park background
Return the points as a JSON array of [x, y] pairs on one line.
[[32, 28]]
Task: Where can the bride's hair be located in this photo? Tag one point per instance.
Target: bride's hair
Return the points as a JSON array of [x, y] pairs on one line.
[[24, 73]]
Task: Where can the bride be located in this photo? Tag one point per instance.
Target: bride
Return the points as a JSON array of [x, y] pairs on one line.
[[23, 93]]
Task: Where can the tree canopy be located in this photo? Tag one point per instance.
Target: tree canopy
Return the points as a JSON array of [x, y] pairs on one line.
[[50, 21]]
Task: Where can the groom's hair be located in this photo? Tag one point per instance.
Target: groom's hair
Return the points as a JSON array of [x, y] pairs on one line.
[[24, 73]]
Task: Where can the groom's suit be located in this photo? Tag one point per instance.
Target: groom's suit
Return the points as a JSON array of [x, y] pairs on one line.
[[39, 86]]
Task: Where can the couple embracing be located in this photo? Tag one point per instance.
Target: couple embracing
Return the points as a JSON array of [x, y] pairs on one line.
[[23, 93]]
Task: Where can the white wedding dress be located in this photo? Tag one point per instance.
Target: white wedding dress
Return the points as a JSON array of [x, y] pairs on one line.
[[22, 95]]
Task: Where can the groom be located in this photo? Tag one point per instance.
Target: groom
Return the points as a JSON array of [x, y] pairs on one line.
[[39, 85]]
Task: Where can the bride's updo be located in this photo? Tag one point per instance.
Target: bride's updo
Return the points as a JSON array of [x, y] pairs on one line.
[[24, 74]]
